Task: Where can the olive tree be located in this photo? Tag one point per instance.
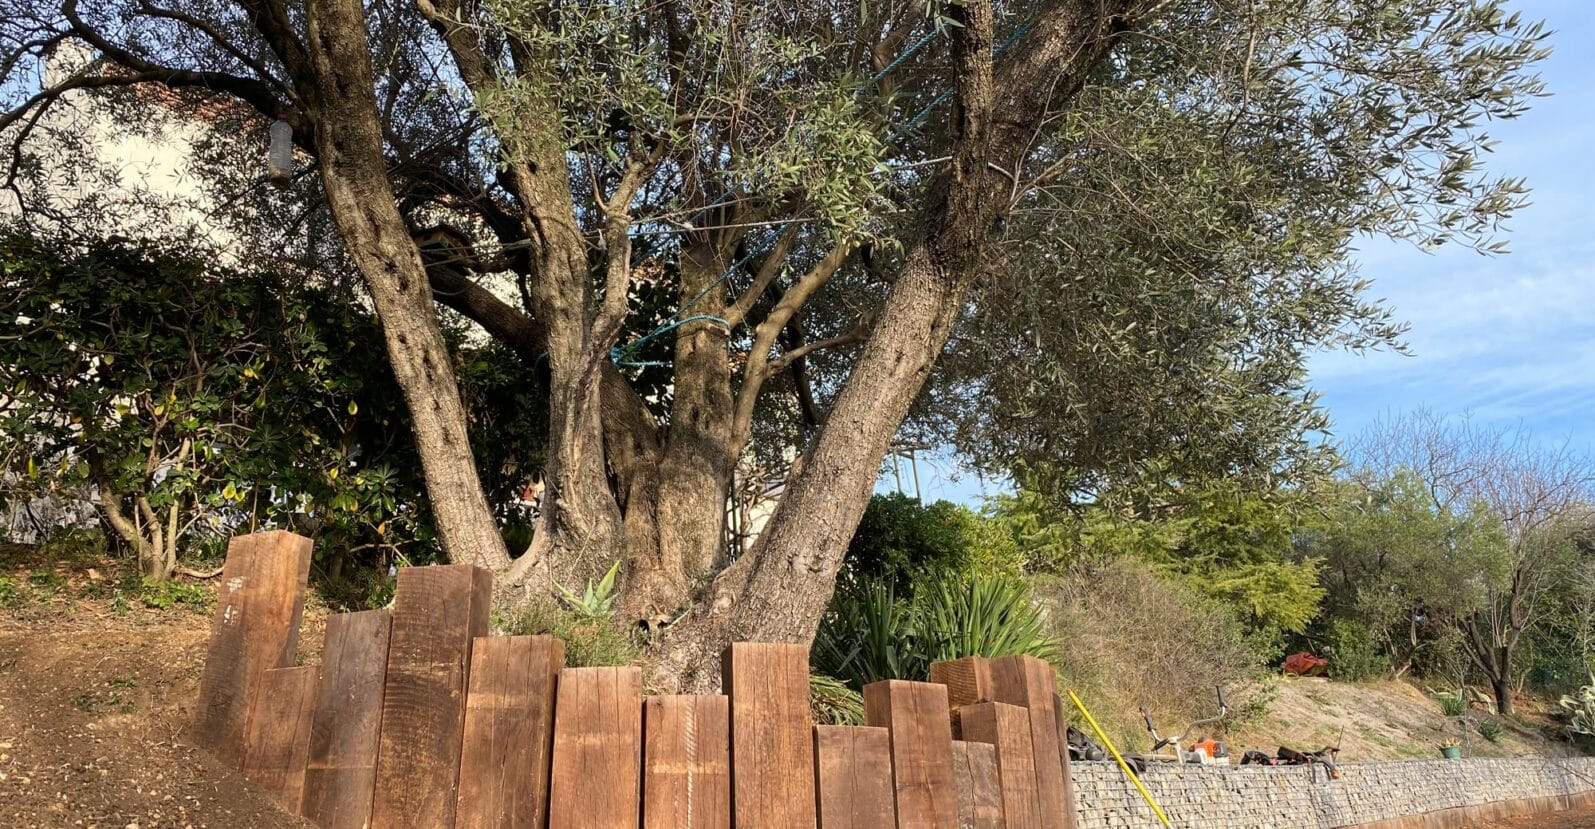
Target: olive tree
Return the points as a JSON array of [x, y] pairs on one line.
[[1124, 222]]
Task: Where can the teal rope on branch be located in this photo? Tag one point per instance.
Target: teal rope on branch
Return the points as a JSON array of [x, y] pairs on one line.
[[947, 94], [621, 354]]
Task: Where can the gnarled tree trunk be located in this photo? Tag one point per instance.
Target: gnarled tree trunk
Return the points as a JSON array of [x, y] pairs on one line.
[[348, 140]]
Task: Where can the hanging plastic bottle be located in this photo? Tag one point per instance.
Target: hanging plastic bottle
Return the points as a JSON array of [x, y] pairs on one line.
[[280, 153]]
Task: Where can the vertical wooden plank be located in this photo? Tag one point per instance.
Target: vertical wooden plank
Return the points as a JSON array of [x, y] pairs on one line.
[[772, 737], [922, 750], [278, 741], [853, 772], [341, 773], [686, 768], [1008, 728], [1061, 718], [1029, 682], [509, 732], [437, 611], [979, 793], [597, 770], [968, 680], [255, 628]]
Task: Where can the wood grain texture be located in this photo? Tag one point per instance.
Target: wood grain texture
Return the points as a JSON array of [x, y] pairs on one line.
[[509, 732], [255, 628], [686, 767], [437, 612], [1007, 727], [853, 770], [597, 769], [772, 738], [979, 792], [922, 750], [1061, 718], [341, 771], [968, 680], [1030, 683], [278, 735]]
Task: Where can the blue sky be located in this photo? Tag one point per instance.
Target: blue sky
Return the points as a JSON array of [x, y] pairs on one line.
[[1509, 339], [1506, 339]]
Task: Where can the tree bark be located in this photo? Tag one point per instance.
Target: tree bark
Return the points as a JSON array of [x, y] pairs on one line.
[[348, 139], [1503, 696], [695, 467], [780, 591]]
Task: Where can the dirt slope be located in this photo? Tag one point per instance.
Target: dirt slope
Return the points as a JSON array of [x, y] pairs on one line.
[[1387, 720], [96, 690]]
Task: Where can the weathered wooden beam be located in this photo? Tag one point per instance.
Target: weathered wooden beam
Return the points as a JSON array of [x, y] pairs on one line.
[[437, 612], [853, 769], [341, 773], [597, 770], [509, 732], [1007, 727], [686, 768], [922, 750], [278, 736], [255, 628], [772, 748]]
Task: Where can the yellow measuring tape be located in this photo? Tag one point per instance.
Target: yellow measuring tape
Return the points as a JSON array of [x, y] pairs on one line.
[[1145, 795]]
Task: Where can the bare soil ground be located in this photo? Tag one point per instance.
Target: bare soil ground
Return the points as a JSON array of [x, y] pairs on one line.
[[1390, 720], [1579, 819], [96, 689]]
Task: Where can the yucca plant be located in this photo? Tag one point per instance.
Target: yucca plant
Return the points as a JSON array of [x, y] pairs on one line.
[[866, 636], [982, 617], [870, 634]]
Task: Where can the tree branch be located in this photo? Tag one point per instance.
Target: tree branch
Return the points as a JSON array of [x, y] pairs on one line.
[[757, 370]]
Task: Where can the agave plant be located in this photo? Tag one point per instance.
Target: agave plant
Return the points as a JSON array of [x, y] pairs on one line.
[[1580, 709], [598, 602], [1452, 703]]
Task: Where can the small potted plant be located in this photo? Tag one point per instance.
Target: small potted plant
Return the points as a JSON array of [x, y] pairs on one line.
[[1451, 748]]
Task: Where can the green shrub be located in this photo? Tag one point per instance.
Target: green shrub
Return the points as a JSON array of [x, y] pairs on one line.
[[1354, 654], [11, 595], [833, 702], [870, 634], [901, 542], [162, 594], [589, 642], [1137, 636], [1490, 730]]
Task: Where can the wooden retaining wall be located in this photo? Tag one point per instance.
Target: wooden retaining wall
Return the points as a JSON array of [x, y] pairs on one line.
[[418, 718]]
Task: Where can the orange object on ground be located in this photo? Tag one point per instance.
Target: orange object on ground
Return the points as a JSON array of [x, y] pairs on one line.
[[1305, 664]]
